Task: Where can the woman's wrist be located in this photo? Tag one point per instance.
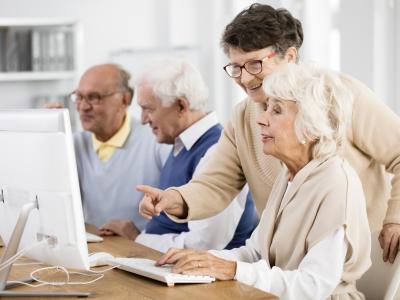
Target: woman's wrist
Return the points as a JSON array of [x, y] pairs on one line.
[[178, 206], [232, 275]]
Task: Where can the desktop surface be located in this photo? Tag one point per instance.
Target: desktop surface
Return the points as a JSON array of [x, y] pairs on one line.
[[118, 284]]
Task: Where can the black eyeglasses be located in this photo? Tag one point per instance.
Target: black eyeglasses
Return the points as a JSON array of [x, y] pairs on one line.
[[91, 98], [253, 67]]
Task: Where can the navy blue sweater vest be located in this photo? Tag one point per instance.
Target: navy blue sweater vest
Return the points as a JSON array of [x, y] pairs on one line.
[[178, 170]]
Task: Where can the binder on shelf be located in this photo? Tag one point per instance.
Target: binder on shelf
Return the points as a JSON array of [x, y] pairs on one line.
[[60, 51], [44, 50], [36, 57], [24, 45], [3, 33], [69, 50], [11, 51]]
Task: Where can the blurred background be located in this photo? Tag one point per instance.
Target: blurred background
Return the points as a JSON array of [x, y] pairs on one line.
[[45, 45]]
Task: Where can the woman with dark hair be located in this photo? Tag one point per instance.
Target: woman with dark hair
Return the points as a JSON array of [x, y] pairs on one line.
[[260, 41]]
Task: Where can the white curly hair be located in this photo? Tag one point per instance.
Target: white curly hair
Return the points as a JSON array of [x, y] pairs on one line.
[[324, 104], [170, 79]]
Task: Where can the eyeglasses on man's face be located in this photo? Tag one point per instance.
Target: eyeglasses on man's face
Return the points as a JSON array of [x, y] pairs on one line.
[[91, 98], [253, 67]]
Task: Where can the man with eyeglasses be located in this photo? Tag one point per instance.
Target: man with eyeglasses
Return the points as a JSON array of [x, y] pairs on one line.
[[114, 152], [259, 41], [174, 102]]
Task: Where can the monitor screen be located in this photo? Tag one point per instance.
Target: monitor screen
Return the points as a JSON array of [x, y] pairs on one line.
[[38, 163]]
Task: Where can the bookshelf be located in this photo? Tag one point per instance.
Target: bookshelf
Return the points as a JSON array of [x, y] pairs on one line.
[[40, 60], [38, 45]]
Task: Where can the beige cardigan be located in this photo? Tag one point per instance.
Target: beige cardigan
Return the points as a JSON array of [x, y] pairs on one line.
[[373, 145], [323, 196]]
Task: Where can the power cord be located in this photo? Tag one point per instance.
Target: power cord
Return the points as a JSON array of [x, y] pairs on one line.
[[67, 281], [17, 255], [41, 282]]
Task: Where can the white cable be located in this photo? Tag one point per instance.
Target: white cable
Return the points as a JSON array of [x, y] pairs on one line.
[[32, 275], [20, 253], [27, 264], [13, 258], [103, 271], [26, 283], [67, 281]]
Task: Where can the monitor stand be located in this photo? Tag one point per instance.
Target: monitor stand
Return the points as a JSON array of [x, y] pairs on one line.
[[11, 250]]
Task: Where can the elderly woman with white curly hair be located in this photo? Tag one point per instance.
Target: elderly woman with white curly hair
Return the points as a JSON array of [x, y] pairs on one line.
[[313, 240]]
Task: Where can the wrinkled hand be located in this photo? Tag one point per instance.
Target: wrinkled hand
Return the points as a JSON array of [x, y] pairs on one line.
[[156, 200], [188, 261], [124, 228], [53, 105], [389, 239]]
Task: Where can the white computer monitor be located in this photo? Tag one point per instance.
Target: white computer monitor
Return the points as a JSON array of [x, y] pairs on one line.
[[37, 161]]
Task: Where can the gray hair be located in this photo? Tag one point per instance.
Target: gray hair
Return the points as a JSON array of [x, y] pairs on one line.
[[123, 79], [173, 78], [324, 104]]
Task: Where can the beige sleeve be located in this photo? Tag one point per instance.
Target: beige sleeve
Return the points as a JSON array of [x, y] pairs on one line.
[[218, 182], [376, 132]]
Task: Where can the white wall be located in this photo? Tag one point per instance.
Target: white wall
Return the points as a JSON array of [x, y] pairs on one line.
[[357, 37], [349, 39]]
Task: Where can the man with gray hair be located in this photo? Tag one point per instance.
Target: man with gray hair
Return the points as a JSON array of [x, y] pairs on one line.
[[173, 98], [114, 153]]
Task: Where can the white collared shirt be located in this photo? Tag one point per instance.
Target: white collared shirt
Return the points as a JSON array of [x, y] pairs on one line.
[[211, 233], [190, 135]]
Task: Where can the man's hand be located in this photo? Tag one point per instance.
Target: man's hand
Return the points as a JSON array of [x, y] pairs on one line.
[[156, 200], [389, 239], [124, 228], [53, 105]]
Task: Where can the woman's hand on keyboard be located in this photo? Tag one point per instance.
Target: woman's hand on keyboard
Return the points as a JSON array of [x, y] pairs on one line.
[[191, 262]]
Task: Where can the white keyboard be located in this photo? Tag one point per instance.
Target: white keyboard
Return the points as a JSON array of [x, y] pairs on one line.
[[92, 238], [147, 268]]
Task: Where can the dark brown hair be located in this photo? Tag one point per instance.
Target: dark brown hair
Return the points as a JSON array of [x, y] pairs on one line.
[[261, 26]]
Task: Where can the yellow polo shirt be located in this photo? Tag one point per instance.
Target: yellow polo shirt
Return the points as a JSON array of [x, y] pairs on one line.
[[106, 149]]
